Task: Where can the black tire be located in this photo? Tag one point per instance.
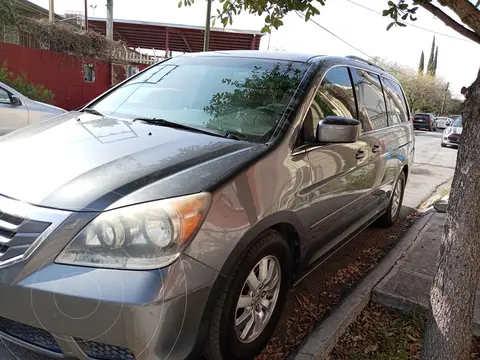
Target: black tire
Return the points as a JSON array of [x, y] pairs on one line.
[[388, 219], [222, 341], [444, 145]]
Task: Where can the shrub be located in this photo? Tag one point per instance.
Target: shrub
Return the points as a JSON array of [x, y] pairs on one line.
[[36, 92]]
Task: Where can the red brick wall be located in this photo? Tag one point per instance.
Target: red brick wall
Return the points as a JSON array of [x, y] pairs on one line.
[[61, 73]]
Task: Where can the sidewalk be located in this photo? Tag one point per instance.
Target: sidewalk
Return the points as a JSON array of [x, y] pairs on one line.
[[407, 285]]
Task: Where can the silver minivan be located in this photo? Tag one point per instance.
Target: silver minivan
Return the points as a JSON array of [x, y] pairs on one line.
[[169, 216], [17, 111]]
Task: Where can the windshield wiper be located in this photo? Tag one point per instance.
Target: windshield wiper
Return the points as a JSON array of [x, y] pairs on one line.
[[163, 122], [93, 111]]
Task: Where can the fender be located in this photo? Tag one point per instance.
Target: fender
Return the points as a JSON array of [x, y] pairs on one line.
[[270, 221]]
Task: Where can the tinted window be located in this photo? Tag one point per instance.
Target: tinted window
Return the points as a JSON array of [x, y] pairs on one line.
[[397, 111], [371, 102], [457, 123], [237, 95], [333, 98], [4, 98], [421, 117]]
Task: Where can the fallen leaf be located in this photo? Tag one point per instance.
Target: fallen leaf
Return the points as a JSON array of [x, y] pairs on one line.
[[411, 338], [370, 349]]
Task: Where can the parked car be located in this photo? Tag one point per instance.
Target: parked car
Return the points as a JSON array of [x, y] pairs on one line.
[[171, 215], [424, 121], [442, 122], [452, 134], [17, 111]]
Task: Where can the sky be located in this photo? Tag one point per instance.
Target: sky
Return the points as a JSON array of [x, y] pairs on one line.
[[458, 59]]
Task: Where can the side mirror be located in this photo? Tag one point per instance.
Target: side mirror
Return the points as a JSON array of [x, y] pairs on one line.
[[337, 129], [15, 100]]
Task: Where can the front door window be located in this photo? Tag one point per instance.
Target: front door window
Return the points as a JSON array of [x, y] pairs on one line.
[[4, 98]]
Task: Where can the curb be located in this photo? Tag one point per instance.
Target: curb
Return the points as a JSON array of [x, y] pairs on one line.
[[322, 340]]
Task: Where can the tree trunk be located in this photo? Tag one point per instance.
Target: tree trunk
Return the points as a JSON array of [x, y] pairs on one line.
[[452, 296]]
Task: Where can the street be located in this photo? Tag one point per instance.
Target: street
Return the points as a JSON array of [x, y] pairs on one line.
[[432, 173]]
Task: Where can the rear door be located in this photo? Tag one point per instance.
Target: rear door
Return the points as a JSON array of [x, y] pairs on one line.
[[12, 117], [398, 136], [341, 173], [373, 115]]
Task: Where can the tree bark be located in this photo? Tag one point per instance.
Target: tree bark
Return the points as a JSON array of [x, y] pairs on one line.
[[448, 334]]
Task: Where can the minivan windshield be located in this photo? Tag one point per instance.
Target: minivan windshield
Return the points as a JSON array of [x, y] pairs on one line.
[[244, 96]]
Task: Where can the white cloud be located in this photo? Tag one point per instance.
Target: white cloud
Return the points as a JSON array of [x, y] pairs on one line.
[[366, 30]]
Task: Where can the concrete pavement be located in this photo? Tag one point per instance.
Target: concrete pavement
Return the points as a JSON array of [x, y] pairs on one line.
[[407, 286], [433, 170]]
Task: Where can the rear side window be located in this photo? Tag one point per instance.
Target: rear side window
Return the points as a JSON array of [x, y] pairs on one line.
[[333, 98], [371, 102], [397, 111]]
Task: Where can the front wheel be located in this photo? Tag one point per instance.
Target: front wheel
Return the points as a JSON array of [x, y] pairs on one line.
[[251, 301], [393, 211]]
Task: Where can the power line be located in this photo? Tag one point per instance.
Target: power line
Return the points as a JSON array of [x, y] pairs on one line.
[[410, 24], [352, 46]]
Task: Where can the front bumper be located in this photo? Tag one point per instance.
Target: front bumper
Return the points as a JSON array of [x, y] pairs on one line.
[[78, 312], [451, 140], [88, 313], [421, 125]]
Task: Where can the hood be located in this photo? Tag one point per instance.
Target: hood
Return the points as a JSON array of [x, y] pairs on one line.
[[82, 162], [52, 108]]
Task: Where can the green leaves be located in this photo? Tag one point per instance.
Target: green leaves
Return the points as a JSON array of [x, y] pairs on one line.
[[275, 10], [400, 12]]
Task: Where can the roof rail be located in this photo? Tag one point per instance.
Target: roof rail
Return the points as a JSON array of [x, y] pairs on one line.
[[353, 57]]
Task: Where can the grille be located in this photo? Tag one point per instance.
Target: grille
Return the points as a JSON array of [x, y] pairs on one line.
[[454, 137], [23, 227], [99, 351], [29, 334]]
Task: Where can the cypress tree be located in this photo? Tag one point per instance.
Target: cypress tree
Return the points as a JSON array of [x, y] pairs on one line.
[[421, 65], [431, 59]]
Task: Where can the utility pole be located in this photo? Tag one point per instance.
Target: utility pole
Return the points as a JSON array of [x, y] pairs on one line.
[[109, 31], [444, 98], [51, 11], [206, 39], [86, 15]]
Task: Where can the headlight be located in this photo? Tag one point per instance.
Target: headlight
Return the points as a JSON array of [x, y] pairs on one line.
[[448, 130], [139, 237]]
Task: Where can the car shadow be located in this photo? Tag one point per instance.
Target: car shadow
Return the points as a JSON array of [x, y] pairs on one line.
[[427, 133]]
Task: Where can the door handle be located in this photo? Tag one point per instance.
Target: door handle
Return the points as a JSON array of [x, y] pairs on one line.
[[360, 154], [376, 148]]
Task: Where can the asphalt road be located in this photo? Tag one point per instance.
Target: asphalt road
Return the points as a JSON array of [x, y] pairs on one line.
[[433, 171]]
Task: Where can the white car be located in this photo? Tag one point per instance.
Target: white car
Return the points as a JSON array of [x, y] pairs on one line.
[[442, 122], [17, 111], [452, 134]]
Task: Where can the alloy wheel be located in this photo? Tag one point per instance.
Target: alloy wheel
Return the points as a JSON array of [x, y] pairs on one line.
[[396, 198], [258, 299]]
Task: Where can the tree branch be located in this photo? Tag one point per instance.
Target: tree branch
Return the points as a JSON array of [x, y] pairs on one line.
[[451, 22], [466, 11]]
